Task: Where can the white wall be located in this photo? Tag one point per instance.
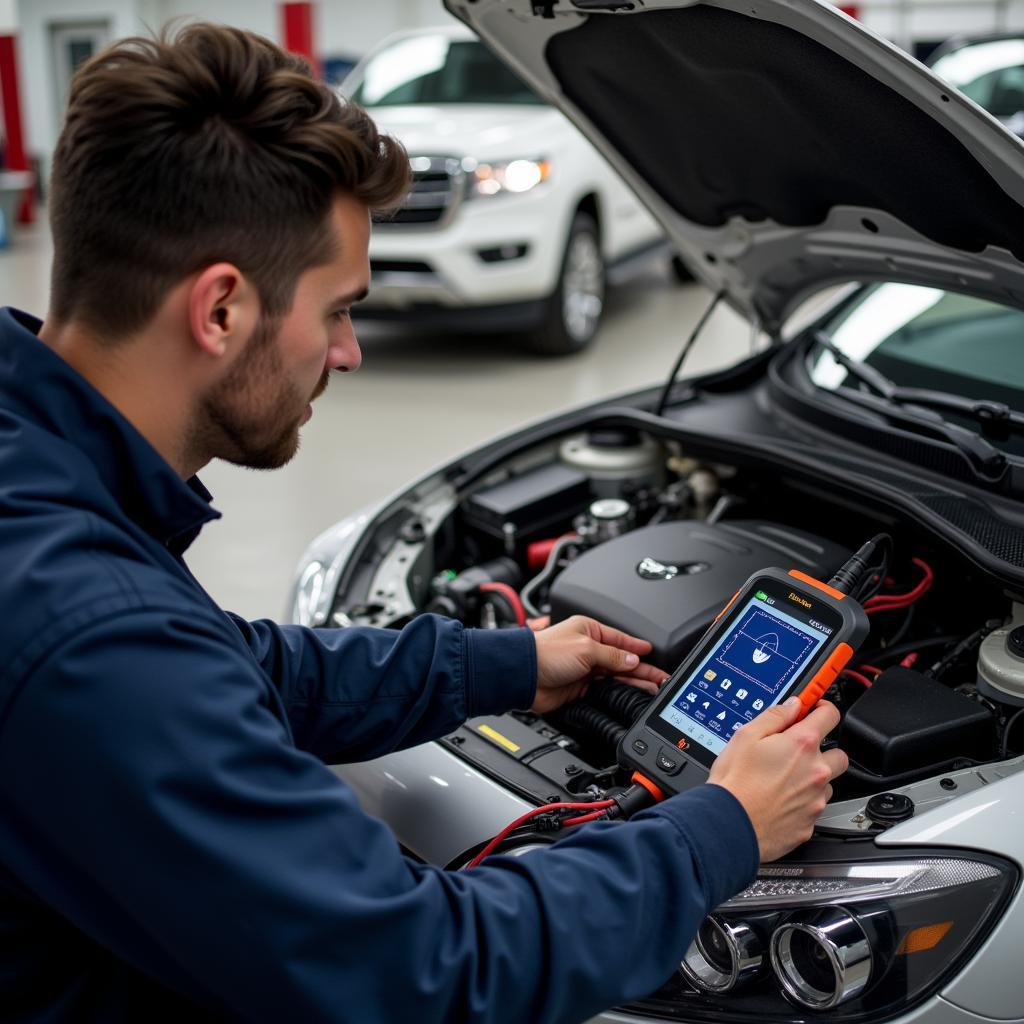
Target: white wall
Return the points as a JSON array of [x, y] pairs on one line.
[[351, 27], [348, 27], [343, 28], [907, 22], [42, 110], [256, 15], [8, 17]]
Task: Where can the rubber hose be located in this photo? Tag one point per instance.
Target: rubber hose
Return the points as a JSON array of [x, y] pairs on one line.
[[593, 723], [624, 703], [545, 575]]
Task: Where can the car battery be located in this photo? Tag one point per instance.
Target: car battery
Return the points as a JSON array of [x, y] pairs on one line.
[[534, 502]]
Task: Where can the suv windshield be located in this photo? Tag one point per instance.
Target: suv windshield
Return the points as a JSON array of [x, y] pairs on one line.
[[436, 69], [929, 338], [990, 73]]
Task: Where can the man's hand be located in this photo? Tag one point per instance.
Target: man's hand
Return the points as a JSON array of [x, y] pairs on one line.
[[779, 774], [579, 649]]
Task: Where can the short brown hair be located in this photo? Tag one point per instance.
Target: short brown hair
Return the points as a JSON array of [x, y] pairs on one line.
[[202, 145]]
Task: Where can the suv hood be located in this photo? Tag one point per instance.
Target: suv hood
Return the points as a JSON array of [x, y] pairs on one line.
[[782, 145]]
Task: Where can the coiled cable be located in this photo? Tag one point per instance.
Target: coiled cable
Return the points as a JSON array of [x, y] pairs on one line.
[[593, 724], [624, 703]]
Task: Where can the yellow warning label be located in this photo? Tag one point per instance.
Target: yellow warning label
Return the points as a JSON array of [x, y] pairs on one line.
[[503, 741]]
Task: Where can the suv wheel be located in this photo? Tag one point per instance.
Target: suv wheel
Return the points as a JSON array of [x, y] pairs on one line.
[[574, 309]]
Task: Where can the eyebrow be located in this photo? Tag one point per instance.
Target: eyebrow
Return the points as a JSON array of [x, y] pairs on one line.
[[344, 300]]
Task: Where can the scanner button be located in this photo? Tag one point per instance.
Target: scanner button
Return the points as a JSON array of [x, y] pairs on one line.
[[669, 765], [640, 746]]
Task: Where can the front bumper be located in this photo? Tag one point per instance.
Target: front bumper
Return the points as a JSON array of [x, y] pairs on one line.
[[936, 1011], [440, 266]]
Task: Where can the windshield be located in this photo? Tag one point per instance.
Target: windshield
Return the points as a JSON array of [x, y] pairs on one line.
[[436, 69], [929, 338], [991, 74]]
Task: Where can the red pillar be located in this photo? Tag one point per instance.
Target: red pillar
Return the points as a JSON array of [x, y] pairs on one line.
[[297, 31], [14, 137], [853, 10]]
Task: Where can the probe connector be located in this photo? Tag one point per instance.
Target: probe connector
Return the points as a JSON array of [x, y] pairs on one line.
[[629, 802], [849, 577]]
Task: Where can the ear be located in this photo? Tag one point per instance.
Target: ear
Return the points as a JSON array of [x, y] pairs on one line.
[[223, 309]]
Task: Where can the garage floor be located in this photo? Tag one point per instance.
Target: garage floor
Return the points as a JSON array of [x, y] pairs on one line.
[[417, 401]]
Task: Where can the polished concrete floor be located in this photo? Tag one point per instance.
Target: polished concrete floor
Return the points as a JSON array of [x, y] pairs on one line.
[[417, 401]]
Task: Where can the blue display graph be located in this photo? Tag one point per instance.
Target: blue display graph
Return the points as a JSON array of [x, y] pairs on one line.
[[748, 670], [765, 650]]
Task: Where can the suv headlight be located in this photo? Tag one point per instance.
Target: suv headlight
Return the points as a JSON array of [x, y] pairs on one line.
[[851, 941], [511, 176]]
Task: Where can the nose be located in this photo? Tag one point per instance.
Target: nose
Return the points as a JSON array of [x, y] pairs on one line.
[[344, 354]]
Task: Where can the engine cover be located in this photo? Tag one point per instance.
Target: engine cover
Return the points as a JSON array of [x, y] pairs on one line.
[[666, 583]]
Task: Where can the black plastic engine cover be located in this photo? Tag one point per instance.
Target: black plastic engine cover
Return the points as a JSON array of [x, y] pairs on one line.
[[908, 722], [701, 565]]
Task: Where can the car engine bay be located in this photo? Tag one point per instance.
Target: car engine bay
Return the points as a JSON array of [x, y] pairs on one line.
[[650, 526], [621, 525]]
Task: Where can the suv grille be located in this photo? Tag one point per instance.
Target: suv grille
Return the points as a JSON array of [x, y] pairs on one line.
[[438, 186]]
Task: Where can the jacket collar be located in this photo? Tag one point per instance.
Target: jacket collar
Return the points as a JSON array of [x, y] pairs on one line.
[[38, 385]]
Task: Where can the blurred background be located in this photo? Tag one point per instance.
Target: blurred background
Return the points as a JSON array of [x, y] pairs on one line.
[[520, 277]]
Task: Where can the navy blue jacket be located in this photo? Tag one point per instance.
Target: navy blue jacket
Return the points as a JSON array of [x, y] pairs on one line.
[[172, 845]]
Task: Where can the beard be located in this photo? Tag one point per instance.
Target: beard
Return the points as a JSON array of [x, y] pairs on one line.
[[251, 417]]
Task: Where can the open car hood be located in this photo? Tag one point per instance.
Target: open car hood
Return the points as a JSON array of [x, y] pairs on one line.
[[782, 145]]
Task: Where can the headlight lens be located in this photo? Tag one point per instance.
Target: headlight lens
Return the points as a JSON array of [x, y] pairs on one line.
[[723, 955], [320, 567], [511, 177], [308, 591], [823, 961], [847, 941]]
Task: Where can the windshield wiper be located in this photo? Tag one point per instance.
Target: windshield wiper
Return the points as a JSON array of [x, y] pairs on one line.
[[996, 419], [917, 407]]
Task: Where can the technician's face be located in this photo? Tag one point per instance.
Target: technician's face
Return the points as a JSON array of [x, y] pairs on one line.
[[258, 407]]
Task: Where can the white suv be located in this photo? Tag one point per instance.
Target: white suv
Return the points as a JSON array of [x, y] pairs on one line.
[[514, 222]]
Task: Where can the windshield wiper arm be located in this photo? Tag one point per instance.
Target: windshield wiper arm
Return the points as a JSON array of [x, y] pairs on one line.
[[917, 407], [996, 419]]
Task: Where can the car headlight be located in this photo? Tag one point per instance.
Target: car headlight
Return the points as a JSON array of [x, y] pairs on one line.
[[511, 176], [724, 954], [850, 941], [824, 961], [308, 592], [309, 603]]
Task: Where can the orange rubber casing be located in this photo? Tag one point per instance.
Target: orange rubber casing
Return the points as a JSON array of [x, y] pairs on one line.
[[824, 678], [829, 672], [655, 791]]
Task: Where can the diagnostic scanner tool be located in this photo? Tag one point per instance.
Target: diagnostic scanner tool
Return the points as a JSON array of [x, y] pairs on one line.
[[782, 634]]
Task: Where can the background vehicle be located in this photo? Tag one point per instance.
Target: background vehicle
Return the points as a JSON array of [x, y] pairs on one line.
[[894, 404], [514, 221], [988, 69]]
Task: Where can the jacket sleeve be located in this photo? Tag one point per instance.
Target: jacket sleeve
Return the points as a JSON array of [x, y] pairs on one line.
[[356, 693], [159, 807]]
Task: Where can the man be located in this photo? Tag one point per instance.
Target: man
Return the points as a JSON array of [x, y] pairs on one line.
[[171, 844]]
